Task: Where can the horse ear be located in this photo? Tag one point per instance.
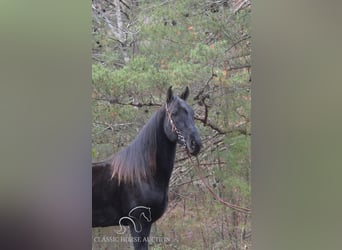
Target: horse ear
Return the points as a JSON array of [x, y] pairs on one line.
[[169, 95], [185, 94]]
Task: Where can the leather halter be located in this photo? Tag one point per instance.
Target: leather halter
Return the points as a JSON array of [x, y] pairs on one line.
[[180, 137]]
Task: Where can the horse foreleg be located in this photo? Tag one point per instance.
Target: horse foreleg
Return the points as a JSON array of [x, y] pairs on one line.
[[140, 237]]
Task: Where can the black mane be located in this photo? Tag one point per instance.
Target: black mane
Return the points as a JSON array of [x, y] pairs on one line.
[[137, 161]]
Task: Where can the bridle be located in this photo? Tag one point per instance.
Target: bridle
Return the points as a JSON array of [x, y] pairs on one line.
[[180, 137]]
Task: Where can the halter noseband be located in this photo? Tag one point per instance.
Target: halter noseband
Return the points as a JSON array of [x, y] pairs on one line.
[[180, 137]]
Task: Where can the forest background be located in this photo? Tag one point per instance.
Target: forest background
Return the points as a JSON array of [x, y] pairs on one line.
[[139, 49]]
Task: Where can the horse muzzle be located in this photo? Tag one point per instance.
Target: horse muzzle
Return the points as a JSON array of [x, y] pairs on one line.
[[194, 146]]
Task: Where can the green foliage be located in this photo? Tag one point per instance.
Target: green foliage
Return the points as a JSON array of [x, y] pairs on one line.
[[102, 77]]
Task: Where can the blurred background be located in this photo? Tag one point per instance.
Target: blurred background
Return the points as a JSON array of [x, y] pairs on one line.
[[47, 106]]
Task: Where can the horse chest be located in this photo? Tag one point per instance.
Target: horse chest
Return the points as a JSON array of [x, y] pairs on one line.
[[157, 202], [151, 197]]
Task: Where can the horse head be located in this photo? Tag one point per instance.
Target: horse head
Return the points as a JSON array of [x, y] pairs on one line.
[[179, 124]]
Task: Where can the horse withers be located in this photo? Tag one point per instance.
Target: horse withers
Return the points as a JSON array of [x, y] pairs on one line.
[[130, 188]]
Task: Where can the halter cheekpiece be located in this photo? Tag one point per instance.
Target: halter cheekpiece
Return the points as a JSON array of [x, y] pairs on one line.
[[180, 137]]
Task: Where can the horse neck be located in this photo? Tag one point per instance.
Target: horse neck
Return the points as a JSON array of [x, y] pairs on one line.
[[165, 155]]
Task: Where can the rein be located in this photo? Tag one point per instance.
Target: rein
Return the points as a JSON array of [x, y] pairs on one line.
[[219, 199], [182, 141]]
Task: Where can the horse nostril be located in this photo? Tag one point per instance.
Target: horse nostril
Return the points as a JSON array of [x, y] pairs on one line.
[[194, 146]]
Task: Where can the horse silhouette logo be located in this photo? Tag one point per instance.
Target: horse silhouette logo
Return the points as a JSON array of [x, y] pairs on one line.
[[135, 216]]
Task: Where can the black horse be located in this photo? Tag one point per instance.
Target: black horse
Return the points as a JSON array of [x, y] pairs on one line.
[[131, 187]]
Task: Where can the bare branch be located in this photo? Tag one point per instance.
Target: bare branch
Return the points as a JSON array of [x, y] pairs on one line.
[[115, 100], [241, 128], [247, 66], [237, 42], [241, 4]]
